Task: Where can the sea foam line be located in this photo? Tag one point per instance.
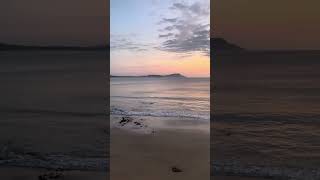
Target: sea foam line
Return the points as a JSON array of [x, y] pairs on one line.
[[58, 162], [291, 173], [118, 111]]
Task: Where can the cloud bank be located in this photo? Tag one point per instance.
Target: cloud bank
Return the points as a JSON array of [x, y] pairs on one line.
[[125, 42], [189, 31]]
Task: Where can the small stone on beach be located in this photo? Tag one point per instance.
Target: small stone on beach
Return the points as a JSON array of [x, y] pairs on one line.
[[51, 175], [175, 169], [125, 120], [137, 123]]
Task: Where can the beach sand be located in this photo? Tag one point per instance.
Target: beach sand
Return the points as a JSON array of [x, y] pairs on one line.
[[140, 156], [137, 156]]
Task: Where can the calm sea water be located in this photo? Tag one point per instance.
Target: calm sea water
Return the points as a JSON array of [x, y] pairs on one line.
[[62, 81], [161, 97], [56, 96], [285, 85], [267, 111]]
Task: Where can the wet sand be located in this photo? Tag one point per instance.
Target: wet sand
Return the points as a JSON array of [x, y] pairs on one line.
[[152, 156], [136, 155], [11, 173], [237, 178], [269, 148], [267, 143]]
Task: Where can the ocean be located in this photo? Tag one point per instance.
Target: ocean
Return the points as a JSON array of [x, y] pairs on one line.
[[53, 106], [268, 84], [266, 114], [161, 97]]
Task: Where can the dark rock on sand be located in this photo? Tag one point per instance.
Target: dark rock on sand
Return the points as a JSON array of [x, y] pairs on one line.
[[137, 123], [175, 169], [134, 124], [125, 120], [51, 175]]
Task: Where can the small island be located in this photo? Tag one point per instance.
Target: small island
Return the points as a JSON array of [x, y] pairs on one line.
[[222, 45], [175, 75], [14, 47]]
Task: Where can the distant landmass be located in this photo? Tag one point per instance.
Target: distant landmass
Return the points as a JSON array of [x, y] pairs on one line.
[[175, 75], [217, 45], [221, 45], [11, 47]]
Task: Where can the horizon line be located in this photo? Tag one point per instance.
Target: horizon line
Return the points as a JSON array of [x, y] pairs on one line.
[[107, 45], [146, 75]]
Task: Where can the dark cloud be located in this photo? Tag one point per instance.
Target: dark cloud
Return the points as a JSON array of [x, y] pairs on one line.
[[118, 42], [196, 8], [199, 10], [168, 20], [179, 6], [166, 35], [168, 28], [189, 32], [199, 41]]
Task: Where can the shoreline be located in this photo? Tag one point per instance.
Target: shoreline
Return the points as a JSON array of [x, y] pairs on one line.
[[168, 148], [265, 172], [137, 156], [36, 173], [152, 123], [266, 149], [54, 162], [221, 168]]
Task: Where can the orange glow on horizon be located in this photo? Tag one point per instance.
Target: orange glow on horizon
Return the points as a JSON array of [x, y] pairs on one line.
[[195, 65]]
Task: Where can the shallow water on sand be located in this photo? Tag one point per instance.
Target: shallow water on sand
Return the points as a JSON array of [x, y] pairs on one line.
[[161, 97]]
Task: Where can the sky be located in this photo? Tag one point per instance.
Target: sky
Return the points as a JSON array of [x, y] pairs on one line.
[[160, 37], [268, 24], [252, 24], [54, 22]]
